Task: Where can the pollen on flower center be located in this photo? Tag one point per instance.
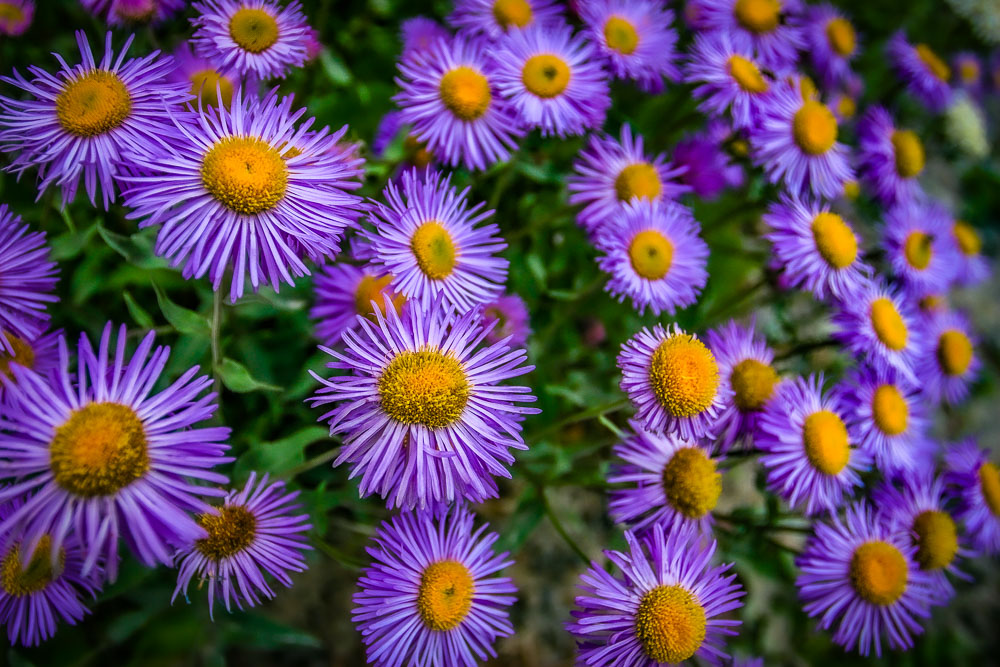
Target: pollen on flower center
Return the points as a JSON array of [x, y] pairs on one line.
[[937, 539], [207, 84], [909, 152], [814, 128], [434, 250], [651, 254], [753, 384], [934, 64], [834, 240], [824, 438], [245, 174], [101, 449], [918, 250], [638, 180], [888, 324], [372, 289], [746, 74], [425, 387], [757, 15], [684, 375], [691, 483], [445, 594], [878, 572], [11, 13], [847, 107], [889, 410], [989, 482], [253, 30], [465, 92], [967, 239], [416, 151], [954, 352], [18, 581], [840, 33], [24, 355], [512, 13], [94, 103], [545, 75], [621, 35], [229, 532], [670, 624]]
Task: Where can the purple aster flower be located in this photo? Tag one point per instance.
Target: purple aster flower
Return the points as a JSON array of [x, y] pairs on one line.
[[256, 532], [917, 506], [747, 376], [495, 18], [919, 245], [40, 589], [38, 354], [831, 42], [761, 25], [314, 46], [654, 255], [967, 71], [890, 160], [796, 143], [860, 575], [672, 482], [247, 188], [972, 266], [415, 153], [345, 291], [610, 172], [879, 325], [810, 451], [553, 79], [205, 82], [16, 16], [727, 78], [27, 278], [635, 38], [673, 381], [255, 37], [708, 168], [431, 595], [664, 608], [432, 243], [133, 12], [511, 317], [104, 457], [816, 248], [388, 128], [419, 34], [950, 364], [424, 417], [81, 122], [926, 76], [974, 480], [450, 97]]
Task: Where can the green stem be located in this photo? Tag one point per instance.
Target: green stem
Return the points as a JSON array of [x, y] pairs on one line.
[[216, 348], [314, 462], [728, 306], [590, 413], [558, 525], [805, 348], [335, 554]]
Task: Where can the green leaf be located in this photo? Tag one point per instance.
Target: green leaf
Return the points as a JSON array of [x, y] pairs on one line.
[[183, 320], [280, 456], [138, 313], [237, 378], [335, 68], [70, 244], [251, 630], [136, 249]]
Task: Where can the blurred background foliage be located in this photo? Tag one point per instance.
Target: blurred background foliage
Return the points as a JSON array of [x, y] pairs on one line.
[[556, 503]]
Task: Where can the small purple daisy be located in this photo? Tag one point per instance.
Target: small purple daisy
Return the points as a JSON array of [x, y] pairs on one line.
[[419, 34], [761, 25], [967, 72], [973, 267], [890, 160], [495, 18], [831, 42], [39, 354], [664, 608], [810, 451], [512, 320], [727, 78], [974, 480], [926, 76], [133, 12], [206, 83], [654, 255], [254, 533], [859, 574], [27, 279], [951, 363], [345, 291], [708, 168], [919, 245], [635, 38], [16, 16]]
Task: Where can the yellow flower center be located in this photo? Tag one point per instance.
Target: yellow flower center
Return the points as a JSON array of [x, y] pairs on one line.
[[691, 482], [670, 624], [918, 250], [445, 595], [512, 13], [834, 240], [969, 71], [137, 13], [954, 352], [253, 30], [807, 88], [937, 539], [889, 409], [934, 64], [814, 127], [229, 532], [824, 437], [417, 152], [888, 324], [746, 74], [434, 250], [757, 15], [909, 153], [684, 375], [465, 92], [847, 107], [878, 572], [545, 75], [206, 84], [840, 33], [10, 13], [245, 174], [852, 190], [931, 302], [101, 449], [740, 147], [24, 355], [753, 384], [374, 289], [651, 254], [18, 581], [989, 482], [638, 180], [967, 239], [424, 387], [93, 103], [621, 35]]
